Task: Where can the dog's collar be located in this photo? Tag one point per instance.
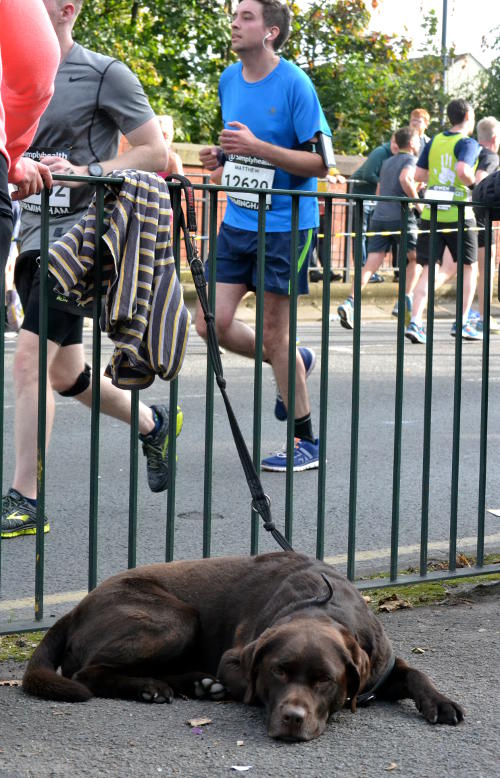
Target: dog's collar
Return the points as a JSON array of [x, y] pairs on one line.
[[366, 697]]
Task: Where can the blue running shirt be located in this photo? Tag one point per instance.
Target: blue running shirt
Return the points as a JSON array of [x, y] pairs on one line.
[[282, 109]]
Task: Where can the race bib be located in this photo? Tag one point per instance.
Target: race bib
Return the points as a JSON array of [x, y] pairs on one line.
[[441, 193], [60, 199], [448, 193], [251, 173]]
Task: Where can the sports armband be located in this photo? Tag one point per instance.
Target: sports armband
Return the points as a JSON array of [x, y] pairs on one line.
[[322, 146]]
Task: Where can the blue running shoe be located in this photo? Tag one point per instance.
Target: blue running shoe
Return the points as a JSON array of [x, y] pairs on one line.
[[415, 333], [305, 457], [472, 330], [469, 332], [474, 315], [309, 360]]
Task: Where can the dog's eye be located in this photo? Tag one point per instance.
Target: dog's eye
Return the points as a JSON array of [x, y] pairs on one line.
[[322, 680], [279, 671]]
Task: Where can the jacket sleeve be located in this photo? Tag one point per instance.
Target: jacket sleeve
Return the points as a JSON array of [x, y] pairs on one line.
[[30, 55], [373, 164]]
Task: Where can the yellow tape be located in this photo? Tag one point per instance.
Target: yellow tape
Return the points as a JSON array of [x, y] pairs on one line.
[[398, 232]]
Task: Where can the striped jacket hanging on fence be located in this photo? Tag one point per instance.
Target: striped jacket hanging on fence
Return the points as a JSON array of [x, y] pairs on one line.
[[143, 309]]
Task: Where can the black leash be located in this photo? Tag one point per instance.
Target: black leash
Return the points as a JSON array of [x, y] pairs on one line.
[[260, 501]]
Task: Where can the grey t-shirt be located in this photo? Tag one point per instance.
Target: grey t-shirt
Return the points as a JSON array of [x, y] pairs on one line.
[[95, 99], [390, 186]]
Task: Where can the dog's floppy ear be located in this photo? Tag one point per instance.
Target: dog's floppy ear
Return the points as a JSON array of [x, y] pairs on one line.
[[353, 682], [358, 670], [250, 659]]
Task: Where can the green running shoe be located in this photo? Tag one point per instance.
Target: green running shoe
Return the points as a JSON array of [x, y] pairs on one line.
[[19, 516], [154, 448]]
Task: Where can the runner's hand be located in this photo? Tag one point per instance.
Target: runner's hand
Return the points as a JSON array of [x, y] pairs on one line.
[[63, 167], [36, 176], [241, 140], [208, 157]]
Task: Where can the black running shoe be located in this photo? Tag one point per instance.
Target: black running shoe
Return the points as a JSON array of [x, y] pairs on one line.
[[19, 516], [154, 448]]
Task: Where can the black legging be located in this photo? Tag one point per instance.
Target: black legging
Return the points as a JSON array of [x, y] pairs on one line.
[[6, 220]]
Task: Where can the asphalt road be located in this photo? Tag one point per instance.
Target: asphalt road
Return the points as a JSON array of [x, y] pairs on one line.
[[66, 546]]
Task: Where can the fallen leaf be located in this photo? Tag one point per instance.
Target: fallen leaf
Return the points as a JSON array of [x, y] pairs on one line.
[[240, 742], [392, 766], [418, 650], [198, 722], [367, 598], [463, 561], [10, 683], [241, 768], [392, 603], [494, 511]]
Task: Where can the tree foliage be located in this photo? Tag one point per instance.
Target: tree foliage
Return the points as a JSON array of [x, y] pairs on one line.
[[177, 49], [366, 81], [490, 102]]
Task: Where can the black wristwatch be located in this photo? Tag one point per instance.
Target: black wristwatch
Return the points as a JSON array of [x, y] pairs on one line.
[[95, 169]]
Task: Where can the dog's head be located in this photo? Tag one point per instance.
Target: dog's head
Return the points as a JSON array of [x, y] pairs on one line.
[[302, 671]]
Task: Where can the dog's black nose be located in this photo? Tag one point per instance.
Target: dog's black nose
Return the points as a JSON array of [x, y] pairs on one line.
[[293, 715]]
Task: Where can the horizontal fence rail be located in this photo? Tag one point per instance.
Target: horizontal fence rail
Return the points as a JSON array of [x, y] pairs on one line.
[[201, 474]]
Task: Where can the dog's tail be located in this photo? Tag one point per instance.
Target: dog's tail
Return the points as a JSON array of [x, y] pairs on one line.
[[41, 678]]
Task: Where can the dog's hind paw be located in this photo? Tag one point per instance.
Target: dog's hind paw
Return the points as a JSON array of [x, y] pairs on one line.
[[209, 688], [157, 692]]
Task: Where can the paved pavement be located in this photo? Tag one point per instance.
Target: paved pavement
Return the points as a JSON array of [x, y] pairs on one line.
[[460, 640]]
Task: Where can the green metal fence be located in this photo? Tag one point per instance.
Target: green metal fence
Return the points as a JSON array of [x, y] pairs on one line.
[[210, 197]]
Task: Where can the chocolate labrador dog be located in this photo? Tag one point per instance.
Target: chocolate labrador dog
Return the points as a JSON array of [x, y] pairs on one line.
[[280, 629]]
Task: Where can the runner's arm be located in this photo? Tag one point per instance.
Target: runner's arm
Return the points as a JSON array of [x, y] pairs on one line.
[[465, 173], [148, 151], [294, 161], [421, 174], [409, 186]]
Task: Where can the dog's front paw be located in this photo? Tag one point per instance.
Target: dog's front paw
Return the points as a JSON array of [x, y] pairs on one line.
[[209, 688], [154, 691], [439, 709]]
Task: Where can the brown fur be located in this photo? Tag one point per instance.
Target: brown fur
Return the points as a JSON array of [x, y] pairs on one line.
[[264, 626]]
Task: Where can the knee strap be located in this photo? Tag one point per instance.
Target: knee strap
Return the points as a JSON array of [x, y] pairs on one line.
[[81, 383]]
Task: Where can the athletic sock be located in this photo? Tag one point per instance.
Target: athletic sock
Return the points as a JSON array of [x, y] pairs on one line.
[[303, 428], [157, 426]]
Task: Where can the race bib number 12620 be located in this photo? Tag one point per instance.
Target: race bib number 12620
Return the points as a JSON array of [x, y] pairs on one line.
[[251, 173]]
